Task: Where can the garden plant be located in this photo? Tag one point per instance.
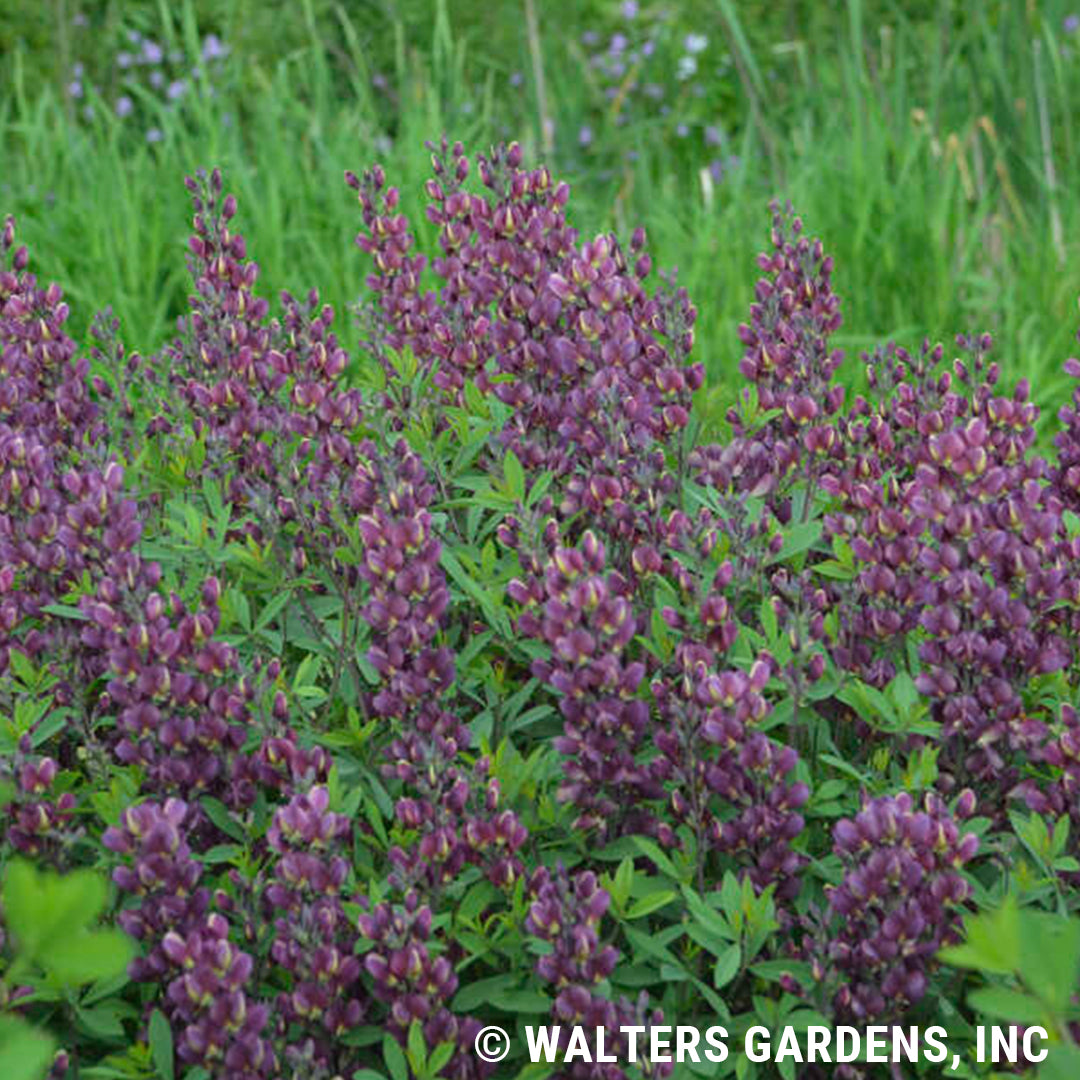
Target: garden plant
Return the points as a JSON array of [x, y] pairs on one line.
[[374, 677]]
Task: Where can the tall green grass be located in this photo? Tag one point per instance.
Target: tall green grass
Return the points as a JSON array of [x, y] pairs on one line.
[[935, 159]]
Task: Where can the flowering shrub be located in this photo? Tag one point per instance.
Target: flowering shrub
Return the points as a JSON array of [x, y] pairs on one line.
[[448, 682]]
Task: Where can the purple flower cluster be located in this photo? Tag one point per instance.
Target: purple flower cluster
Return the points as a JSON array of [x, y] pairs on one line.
[[1067, 443], [416, 982], [587, 618], [41, 822], [143, 68], [899, 901], [58, 517], [566, 913], [570, 329], [964, 540], [453, 810], [790, 364], [179, 715], [314, 940], [729, 782]]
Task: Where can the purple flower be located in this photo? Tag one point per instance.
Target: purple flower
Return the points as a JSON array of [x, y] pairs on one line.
[[213, 48], [695, 43], [630, 9], [516, 78], [154, 135], [124, 106], [1071, 24], [585, 136], [682, 130], [177, 89], [157, 79], [75, 89], [152, 52], [123, 59]]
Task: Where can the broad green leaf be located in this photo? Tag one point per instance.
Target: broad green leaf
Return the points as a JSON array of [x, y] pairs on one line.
[[727, 966], [25, 1051], [648, 904], [84, 956], [992, 942], [515, 476], [219, 814], [394, 1057], [484, 991], [161, 1045], [652, 850], [1005, 1004]]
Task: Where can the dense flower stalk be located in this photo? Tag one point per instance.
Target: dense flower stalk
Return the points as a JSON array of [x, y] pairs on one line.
[[566, 912], [899, 901]]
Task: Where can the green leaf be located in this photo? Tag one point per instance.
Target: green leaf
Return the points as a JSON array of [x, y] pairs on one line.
[[622, 883], [992, 942], [775, 970], [41, 909], [515, 476], [727, 966], [394, 1057], [103, 1020], [830, 568], [715, 933], [86, 956], [651, 945], [440, 1056], [483, 991], [25, 1051], [466, 581], [473, 903], [1063, 1063], [524, 1001], [797, 539], [648, 904], [651, 850], [1050, 957], [221, 853], [1005, 1004], [161, 1045], [416, 1049], [219, 814], [66, 611]]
